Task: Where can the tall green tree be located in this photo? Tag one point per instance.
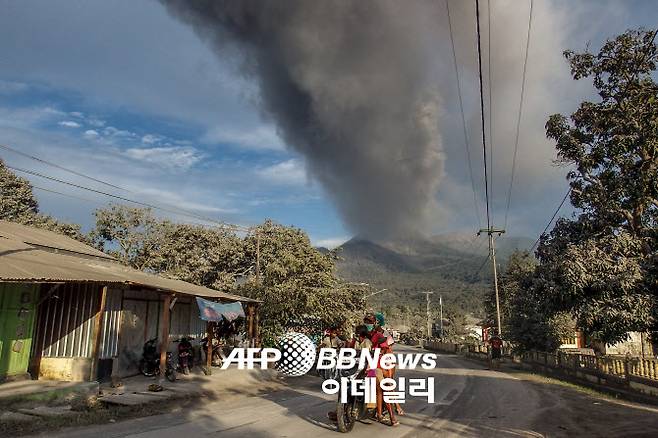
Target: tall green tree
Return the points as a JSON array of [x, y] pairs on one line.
[[127, 233], [601, 265], [296, 282], [18, 204], [207, 256], [528, 319], [212, 257]]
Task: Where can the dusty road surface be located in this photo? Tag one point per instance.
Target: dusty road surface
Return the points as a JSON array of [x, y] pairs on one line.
[[470, 402]]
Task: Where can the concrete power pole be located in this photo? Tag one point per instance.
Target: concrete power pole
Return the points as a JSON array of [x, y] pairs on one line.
[[491, 232], [429, 324], [441, 315], [257, 256]]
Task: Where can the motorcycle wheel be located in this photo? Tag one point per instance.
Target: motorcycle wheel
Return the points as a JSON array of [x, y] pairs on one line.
[[144, 369], [170, 374], [345, 417]]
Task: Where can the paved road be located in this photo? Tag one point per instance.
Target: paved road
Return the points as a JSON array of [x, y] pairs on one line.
[[470, 401]]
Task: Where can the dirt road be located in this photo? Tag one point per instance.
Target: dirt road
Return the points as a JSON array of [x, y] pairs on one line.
[[470, 401]]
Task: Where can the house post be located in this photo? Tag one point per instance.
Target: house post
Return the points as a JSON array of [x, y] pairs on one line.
[[98, 329], [250, 324], [164, 342], [256, 327], [209, 330]]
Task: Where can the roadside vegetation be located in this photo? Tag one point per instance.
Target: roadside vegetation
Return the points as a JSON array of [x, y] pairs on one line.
[[597, 270]]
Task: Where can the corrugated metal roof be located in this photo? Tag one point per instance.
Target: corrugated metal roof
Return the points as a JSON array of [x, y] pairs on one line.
[[48, 239], [23, 262]]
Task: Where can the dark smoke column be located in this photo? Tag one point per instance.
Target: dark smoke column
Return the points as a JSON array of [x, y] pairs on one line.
[[350, 86]]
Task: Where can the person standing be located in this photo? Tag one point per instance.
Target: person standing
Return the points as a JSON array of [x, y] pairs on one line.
[[332, 339], [496, 344]]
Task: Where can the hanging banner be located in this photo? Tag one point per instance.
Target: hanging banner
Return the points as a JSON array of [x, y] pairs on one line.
[[211, 311]]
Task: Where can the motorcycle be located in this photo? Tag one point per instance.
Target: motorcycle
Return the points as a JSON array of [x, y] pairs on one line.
[[185, 355], [217, 354], [355, 408], [149, 365]]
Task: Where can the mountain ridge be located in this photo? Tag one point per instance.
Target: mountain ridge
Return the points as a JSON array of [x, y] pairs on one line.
[[451, 264]]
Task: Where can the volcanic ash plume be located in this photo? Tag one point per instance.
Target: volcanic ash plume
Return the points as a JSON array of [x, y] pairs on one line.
[[350, 86]]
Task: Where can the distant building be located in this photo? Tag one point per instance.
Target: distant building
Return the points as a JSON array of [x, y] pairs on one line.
[[637, 344]]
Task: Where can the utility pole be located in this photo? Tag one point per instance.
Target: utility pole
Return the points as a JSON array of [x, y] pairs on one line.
[[441, 315], [429, 324], [257, 256], [492, 249]]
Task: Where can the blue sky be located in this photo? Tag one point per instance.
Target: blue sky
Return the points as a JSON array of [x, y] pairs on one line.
[[125, 93]]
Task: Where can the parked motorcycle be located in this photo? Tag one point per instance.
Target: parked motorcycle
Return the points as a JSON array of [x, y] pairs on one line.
[[149, 365], [217, 354], [185, 355]]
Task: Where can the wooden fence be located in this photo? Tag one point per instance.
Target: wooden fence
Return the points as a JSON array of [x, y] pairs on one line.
[[635, 373]]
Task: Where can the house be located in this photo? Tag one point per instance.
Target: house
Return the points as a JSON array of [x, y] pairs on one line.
[[636, 344], [71, 312]]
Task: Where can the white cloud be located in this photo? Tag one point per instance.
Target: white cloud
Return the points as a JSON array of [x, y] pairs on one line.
[[151, 139], [97, 123], [331, 242], [69, 124], [91, 134], [170, 157], [261, 137], [177, 201], [77, 114], [111, 131], [289, 172]]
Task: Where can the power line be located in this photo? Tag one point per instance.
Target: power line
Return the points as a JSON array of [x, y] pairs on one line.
[[144, 204], [80, 198], [461, 109], [68, 195], [489, 69], [484, 141], [551, 221], [170, 209], [32, 157], [483, 264], [518, 120]]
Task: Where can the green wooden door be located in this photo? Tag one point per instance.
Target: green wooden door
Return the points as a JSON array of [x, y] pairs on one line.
[[17, 302]]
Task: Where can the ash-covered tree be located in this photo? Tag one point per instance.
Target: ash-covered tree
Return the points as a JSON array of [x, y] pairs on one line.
[[207, 256], [127, 233], [528, 320], [18, 204], [296, 282], [601, 265]]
